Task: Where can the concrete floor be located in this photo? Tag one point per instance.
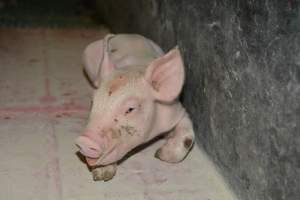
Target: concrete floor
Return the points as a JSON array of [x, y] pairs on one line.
[[44, 100]]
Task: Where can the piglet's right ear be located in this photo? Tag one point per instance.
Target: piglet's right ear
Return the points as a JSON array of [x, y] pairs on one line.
[[96, 60]]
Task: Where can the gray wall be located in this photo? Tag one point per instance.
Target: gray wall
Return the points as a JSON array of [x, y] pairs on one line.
[[243, 82]]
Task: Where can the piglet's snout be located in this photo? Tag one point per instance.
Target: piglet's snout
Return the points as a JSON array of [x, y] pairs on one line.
[[88, 147]]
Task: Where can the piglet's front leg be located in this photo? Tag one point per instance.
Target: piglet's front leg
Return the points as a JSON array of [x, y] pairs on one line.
[[104, 173], [179, 142]]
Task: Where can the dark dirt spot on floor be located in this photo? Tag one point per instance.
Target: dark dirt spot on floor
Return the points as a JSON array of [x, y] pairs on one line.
[[33, 60], [67, 94]]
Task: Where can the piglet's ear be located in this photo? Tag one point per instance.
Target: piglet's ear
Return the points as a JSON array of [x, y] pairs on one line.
[[96, 60], [166, 76]]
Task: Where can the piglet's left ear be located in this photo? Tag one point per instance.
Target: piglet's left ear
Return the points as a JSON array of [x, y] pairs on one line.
[[166, 76]]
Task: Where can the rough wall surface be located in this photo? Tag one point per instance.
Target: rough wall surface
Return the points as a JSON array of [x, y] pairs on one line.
[[242, 89]]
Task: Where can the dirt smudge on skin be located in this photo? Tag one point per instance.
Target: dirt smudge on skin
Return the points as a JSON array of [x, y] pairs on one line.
[[116, 134], [130, 130], [188, 143], [155, 85], [116, 83]]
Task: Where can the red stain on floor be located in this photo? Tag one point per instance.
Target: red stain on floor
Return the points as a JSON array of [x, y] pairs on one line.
[[44, 109], [47, 98]]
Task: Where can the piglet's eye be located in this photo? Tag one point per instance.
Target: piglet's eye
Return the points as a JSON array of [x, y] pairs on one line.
[[129, 110]]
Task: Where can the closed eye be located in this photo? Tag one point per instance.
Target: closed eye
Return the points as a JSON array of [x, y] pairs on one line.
[[129, 110]]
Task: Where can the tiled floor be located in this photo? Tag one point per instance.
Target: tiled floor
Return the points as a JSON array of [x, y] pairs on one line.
[[44, 100]]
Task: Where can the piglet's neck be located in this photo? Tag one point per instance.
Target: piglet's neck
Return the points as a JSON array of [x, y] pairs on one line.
[[167, 118]]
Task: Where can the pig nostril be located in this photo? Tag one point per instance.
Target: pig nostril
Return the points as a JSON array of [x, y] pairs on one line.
[[90, 151], [88, 147]]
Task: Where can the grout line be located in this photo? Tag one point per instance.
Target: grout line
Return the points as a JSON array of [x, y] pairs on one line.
[[53, 169], [47, 98]]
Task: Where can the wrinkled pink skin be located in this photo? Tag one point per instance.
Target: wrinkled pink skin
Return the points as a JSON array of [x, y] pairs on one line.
[[135, 101]]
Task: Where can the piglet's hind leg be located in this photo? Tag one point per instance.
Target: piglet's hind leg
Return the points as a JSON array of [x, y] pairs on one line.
[[179, 142]]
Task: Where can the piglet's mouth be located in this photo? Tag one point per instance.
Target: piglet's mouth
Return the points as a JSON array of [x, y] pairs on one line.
[[93, 152], [96, 161]]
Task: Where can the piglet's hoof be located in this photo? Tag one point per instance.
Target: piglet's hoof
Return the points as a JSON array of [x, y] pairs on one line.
[[104, 173]]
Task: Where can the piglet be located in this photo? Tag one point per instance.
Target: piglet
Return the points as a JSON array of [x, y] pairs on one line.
[[135, 100]]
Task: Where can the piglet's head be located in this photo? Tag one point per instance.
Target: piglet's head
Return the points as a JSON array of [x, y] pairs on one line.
[[124, 106]]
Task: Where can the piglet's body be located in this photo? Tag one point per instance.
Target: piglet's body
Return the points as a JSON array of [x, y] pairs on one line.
[[135, 100]]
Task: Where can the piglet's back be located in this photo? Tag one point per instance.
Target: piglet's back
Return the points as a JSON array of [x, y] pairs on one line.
[[132, 50]]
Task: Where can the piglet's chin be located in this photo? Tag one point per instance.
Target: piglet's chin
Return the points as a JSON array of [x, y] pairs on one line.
[[91, 161]]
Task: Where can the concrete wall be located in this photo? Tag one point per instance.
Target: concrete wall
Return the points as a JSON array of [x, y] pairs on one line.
[[242, 89]]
